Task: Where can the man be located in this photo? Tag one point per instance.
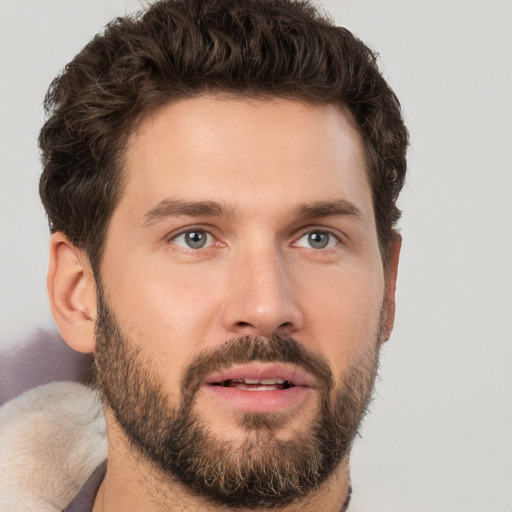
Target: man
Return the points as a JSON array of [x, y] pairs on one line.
[[220, 179]]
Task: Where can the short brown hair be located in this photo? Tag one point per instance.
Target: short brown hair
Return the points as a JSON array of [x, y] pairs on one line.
[[182, 48]]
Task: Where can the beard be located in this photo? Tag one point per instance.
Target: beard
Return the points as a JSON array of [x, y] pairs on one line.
[[260, 472]]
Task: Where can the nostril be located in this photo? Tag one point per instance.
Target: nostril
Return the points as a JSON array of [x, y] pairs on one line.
[[243, 324]]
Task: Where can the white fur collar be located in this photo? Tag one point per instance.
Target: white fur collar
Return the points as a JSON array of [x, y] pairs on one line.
[[51, 439]]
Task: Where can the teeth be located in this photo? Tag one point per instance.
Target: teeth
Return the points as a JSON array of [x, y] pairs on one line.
[[257, 384], [252, 381], [263, 382]]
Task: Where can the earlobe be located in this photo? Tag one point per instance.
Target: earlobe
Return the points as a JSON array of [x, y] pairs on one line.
[[72, 293], [388, 313]]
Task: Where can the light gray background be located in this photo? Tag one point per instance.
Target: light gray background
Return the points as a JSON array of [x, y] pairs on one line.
[[439, 435]]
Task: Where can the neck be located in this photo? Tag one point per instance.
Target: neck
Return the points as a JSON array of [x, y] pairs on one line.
[[132, 483]]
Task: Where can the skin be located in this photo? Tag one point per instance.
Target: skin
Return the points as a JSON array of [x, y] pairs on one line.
[[258, 274]]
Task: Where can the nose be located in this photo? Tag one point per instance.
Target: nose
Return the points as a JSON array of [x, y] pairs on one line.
[[262, 297]]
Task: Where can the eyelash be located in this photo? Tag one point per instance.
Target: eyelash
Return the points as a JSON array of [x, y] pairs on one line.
[[211, 243], [189, 230], [320, 231]]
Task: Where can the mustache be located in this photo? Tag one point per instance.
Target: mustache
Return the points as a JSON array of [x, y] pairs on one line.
[[247, 349]]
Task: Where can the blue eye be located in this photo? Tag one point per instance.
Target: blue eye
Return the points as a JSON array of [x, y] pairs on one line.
[[193, 239], [317, 240]]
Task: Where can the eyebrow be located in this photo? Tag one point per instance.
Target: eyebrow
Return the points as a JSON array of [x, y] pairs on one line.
[[338, 207], [183, 208]]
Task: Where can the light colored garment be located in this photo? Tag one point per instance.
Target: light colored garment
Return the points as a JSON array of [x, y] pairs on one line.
[[52, 438]]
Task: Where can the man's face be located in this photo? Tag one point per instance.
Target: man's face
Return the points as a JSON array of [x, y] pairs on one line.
[[243, 287]]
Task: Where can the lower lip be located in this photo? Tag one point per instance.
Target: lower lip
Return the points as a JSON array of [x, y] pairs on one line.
[[279, 400]]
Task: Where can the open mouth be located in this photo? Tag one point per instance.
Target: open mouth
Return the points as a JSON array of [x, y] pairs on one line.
[[256, 384], [261, 377], [262, 387]]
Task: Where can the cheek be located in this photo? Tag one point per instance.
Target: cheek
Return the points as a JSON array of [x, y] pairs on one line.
[[343, 320], [163, 291], [168, 312]]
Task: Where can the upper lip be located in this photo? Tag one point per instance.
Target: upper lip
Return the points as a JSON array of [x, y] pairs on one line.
[[263, 371]]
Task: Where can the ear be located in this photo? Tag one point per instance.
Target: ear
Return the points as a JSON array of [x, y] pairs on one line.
[[72, 293], [388, 314]]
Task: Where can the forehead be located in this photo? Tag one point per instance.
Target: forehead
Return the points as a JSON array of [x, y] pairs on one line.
[[250, 153]]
